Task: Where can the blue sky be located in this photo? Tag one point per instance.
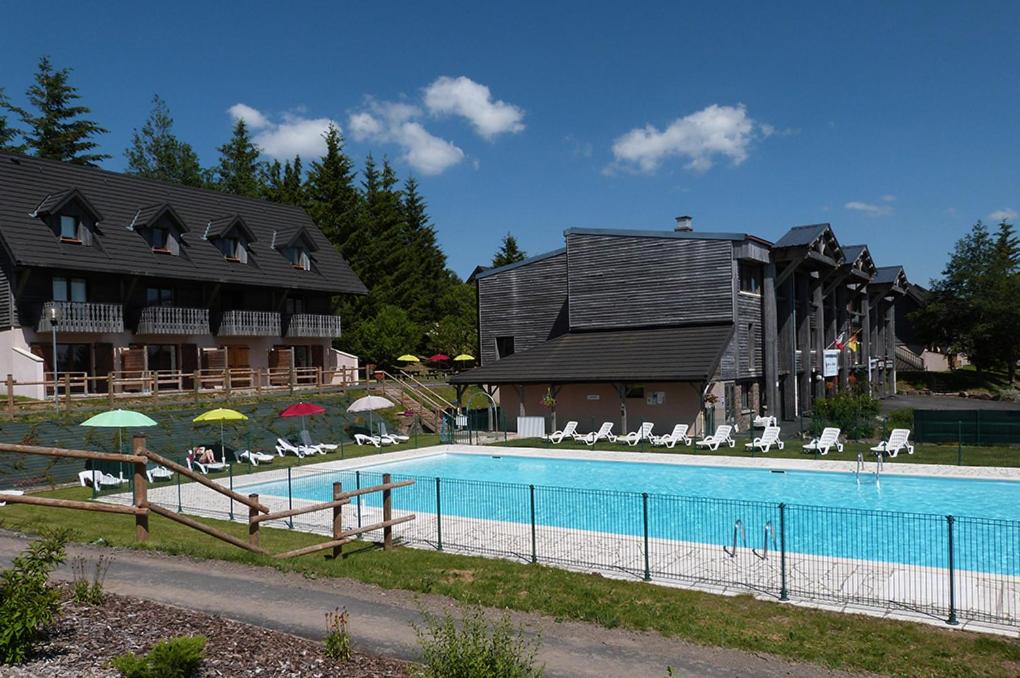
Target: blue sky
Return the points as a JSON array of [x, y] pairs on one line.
[[896, 122]]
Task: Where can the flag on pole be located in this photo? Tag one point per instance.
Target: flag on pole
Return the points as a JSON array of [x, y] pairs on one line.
[[839, 341], [852, 344]]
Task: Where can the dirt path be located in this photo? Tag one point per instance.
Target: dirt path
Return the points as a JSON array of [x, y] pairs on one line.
[[381, 619]]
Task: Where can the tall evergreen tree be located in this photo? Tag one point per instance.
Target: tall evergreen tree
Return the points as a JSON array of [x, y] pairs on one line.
[[156, 153], [284, 183], [239, 170], [55, 128], [332, 198], [8, 133], [508, 252], [422, 277]]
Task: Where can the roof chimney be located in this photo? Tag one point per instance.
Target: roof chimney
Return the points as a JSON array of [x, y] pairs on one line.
[[684, 224]]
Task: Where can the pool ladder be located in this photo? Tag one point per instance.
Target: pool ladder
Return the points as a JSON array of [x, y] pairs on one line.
[[879, 465], [740, 534], [738, 528]]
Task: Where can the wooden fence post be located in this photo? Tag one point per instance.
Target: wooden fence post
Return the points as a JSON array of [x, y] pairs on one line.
[[292, 377], [387, 513], [10, 395], [140, 491], [109, 389], [253, 526], [258, 380], [196, 383], [226, 380], [318, 378], [338, 551], [67, 388]]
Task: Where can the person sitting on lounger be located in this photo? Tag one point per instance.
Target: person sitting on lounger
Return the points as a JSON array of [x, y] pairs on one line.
[[205, 455]]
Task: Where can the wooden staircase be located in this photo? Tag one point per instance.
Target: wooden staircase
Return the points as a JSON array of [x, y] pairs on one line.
[[416, 397]]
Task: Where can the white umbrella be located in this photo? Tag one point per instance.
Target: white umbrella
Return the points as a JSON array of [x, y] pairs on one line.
[[370, 403]]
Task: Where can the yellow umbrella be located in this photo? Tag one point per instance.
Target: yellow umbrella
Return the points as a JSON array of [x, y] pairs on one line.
[[220, 414], [408, 358], [463, 357]]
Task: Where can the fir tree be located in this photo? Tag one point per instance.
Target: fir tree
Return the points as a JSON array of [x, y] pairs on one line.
[[156, 153], [422, 276], [55, 128], [8, 133], [239, 171], [333, 200], [509, 252]]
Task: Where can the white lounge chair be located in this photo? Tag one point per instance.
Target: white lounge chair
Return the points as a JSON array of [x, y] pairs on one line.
[[253, 458], [768, 438], [605, 432], [285, 447], [568, 431], [721, 435], [763, 422], [643, 432], [321, 448], [825, 442], [157, 472], [397, 438], [377, 441], [204, 468], [98, 479], [16, 493], [898, 440], [677, 435]]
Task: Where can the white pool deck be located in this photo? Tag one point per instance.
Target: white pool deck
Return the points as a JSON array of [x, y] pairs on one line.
[[892, 590]]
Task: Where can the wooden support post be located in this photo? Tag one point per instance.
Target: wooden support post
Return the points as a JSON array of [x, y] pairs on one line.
[[109, 389], [140, 491], [291, 379], [67, 387], [226, 380], [770, 332], [818, 310], [387, 513], [10, 395], [338, 550], [866, 336], [253, 525], [196, 383]]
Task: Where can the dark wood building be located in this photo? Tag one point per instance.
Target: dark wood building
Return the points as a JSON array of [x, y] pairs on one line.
[[149, 276]]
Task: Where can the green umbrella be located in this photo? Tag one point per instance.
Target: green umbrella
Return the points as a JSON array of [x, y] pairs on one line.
[[120, 420]]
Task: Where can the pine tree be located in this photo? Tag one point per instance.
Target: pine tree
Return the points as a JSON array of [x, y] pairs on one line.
[[55, 129], [509, 252], [293, 182], [239, 170], [8, 133], [422, 277], [156, 153], [333, 201]]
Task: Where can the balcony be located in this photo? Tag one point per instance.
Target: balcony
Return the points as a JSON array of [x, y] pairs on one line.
[[173, 320], [313, 325], [85, 317], [250, 324]]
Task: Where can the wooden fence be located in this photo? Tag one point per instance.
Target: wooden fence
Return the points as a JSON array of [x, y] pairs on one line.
[[258, 513]]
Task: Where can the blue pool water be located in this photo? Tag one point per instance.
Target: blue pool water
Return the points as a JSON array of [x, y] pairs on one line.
[[897, 519]]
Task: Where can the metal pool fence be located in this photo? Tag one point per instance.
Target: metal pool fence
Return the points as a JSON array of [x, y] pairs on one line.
[[948, 567], [974, 427]]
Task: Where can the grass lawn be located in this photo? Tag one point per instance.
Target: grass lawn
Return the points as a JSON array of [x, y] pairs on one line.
[[926, 453], [844, 641]]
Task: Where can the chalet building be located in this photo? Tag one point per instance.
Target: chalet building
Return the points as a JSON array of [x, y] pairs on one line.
[[685, 327], [147, 276]]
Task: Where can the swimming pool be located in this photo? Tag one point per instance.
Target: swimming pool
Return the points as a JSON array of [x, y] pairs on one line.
[[895, 519]]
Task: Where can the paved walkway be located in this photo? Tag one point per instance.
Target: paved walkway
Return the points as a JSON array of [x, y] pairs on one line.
[[381, 619]]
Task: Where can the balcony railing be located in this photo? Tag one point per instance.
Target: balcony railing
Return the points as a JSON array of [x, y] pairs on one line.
[[250, 324], [79, 316], [313, 325], [173, 320]]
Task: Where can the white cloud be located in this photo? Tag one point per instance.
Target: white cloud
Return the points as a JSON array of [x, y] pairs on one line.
[[701, 137], [293, 135], [472, 100], [1004, 215], [393, 122], [888, 198], [871, 209], [251, 117]]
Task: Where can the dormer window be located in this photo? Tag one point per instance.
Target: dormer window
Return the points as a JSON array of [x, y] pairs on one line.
[[162, 228], [158, 239], [231, 236], [70, 228], [297, 247], [69, 215], [233, 249], [298, 257]]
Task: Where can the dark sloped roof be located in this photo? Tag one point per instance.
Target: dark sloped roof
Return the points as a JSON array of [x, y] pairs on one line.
[[55, 201], [688, 353], [219, 227], [885, 275], [147, 216], [800, 236], [25, 182], [853, 251]]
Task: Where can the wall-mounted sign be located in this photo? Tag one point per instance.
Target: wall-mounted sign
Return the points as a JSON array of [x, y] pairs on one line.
[[830, 363], [656, 398], [594, 396]]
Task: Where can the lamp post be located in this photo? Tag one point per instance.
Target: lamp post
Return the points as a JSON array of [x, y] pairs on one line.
[[55, 314]]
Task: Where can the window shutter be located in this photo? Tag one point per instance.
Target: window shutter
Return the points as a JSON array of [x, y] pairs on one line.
[[172, 244], [242, 252], [86, 234]]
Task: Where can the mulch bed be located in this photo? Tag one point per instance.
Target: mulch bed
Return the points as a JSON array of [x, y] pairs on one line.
[[84, 639]]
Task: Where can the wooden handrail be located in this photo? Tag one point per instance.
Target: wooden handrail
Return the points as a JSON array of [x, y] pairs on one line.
[[300, 511], [72, 454], [375, 488], [345, 537], [72, 504], [202, 527], [202, 480]]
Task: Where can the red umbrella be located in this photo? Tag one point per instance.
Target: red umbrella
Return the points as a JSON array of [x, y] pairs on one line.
[[302, 410], [439, 358]]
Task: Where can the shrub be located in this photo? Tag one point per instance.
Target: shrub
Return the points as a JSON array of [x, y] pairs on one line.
[[902, 418], [470, 649], [175, 658], [88, 590], [853, 412], [27, 602], [338, 638]]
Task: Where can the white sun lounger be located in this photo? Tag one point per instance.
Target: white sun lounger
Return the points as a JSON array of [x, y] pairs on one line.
[[643, 432], [677, 435], [762, 422], [253, 458], [768, 438], [568, 431], [397, 438], [157, 472], [605, 432], [284, 447], [204, 468], [15, 493], [825, 442], [321, 448], [98, 479], [377, 441], [721, 435], [898, 440]]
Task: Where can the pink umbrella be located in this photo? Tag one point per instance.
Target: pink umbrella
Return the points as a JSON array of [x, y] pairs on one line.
[[439, 358], [302, 410]]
